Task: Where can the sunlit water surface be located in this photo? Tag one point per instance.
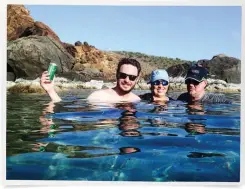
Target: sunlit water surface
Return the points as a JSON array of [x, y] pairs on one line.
[[74, 140]]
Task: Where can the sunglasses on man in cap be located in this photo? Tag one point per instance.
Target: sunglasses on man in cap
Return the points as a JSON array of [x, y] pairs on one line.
[[192, 81]]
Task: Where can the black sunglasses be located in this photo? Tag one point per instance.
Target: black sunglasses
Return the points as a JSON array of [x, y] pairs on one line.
[[192, 81], [158, 82], [122, 75]]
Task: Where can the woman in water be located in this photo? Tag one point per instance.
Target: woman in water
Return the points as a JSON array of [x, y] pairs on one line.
[[159, 87]]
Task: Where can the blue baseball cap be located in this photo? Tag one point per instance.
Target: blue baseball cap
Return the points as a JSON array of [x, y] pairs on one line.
[[159, 74]]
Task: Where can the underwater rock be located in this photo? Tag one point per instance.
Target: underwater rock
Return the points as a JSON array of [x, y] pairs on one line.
[[202, 155]]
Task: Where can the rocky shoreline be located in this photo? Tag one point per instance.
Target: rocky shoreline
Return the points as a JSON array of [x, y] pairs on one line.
[[32, 45], [63, 84]]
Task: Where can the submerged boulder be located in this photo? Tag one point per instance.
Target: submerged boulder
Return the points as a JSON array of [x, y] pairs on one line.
[[29, 56]]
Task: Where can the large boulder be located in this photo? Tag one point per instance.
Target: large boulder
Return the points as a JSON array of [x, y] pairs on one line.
[[179, 70], [225, 68], [18, 19], [29, 56], [91, 74], [71, 75], [84, 76], [70, 49], [219, 67], [10, 74], [21, 24]]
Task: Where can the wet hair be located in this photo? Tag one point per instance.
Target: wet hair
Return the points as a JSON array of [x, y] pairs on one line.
[[130, 61]]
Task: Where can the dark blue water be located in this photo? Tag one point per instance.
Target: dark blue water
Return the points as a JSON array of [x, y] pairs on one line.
[[74, 140]]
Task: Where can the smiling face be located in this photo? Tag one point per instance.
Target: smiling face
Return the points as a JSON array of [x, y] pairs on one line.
[[127, 78], [159, 90]]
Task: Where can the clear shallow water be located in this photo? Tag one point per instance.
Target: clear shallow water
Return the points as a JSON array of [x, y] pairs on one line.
[[124, 142]]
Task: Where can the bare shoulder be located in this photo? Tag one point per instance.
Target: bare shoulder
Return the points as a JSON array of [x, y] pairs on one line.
[[135, 97], [105, 95]]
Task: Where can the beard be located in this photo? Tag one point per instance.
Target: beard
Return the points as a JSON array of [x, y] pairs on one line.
[[124, 91], [194, 94]]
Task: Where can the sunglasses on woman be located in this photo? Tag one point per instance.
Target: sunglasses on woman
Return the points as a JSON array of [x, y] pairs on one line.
[[124, 76], [192, 81], [158, 82]]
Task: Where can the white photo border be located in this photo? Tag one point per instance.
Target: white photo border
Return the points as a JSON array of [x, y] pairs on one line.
[[44, 184]]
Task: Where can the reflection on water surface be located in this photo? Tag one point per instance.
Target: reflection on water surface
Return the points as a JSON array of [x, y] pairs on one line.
[[73, 140]]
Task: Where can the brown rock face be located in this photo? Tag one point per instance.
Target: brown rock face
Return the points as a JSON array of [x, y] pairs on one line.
[[18, 19], [70, 49], [40, 29], [89, 58], [21, 24]]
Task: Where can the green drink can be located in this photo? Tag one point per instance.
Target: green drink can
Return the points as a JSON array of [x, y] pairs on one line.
[[51, 70], [53, 126]]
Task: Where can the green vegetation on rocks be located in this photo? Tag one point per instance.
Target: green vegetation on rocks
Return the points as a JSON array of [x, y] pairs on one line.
[[150, 62]]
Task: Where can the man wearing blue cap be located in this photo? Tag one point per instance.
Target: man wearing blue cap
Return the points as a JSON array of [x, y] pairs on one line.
[[196, 82], [159, 86]]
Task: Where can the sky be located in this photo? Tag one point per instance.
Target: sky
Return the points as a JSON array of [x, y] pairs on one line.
[[185, 32]]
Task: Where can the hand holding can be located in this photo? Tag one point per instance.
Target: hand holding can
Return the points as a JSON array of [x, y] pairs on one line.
[[51, 70], [47, 82]]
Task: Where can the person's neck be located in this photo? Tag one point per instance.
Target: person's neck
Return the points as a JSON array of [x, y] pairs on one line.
[[161, 98], [120, 92], [197, 97]]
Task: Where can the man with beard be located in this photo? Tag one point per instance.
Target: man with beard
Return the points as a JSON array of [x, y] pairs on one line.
[[127, 75], [196, 81]]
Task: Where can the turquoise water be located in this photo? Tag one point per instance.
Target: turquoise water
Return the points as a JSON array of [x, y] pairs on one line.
[[73, 140]]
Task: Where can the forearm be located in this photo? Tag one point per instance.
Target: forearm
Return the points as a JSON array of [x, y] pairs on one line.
[[54, 96]]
